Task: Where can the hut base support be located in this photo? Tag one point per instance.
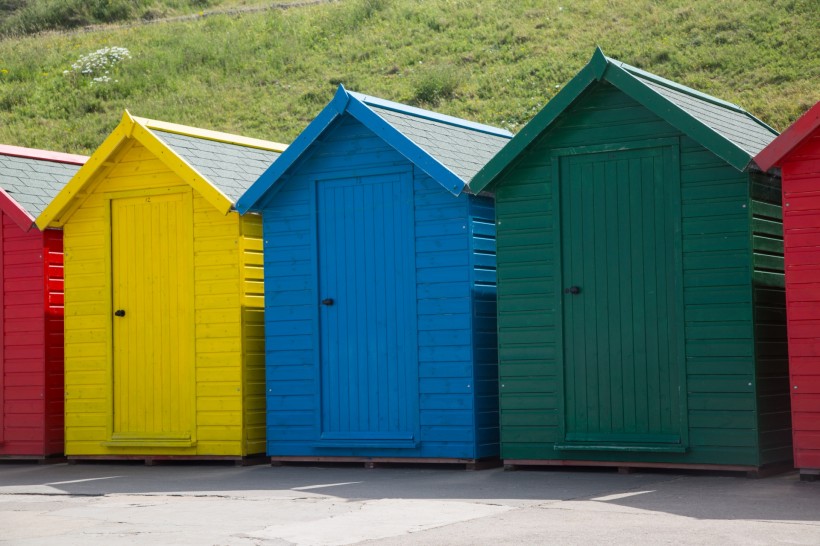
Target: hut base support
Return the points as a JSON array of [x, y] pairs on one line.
[[153, 460], [627, 467], [382, 462], [39, 459], [809, 474]]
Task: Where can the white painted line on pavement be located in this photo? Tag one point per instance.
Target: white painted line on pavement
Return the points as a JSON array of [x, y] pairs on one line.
[[308, 487], [85, 480], [621, 496]]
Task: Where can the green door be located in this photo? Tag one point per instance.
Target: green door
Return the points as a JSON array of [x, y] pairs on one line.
[[621, 300]]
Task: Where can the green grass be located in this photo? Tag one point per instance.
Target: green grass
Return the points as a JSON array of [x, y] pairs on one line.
[[268, 74]]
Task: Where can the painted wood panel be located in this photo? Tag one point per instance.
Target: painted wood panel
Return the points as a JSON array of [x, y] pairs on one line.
[[719, 328], [801, 225], [442, 310], [222, 274]]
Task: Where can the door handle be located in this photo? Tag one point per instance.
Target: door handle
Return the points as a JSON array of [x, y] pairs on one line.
[[119, 313], [574, 290], [327, 301]]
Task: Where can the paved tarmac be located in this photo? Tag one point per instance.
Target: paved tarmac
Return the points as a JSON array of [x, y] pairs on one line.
[[113, 504]]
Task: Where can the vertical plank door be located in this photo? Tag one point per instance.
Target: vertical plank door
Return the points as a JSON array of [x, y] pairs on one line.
[[622, 318], [367, 310], [153, 379]]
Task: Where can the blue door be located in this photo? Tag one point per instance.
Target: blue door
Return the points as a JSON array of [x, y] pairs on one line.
[[367, 291]]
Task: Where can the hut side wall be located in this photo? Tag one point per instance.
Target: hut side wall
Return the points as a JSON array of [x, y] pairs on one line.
[[801, 222], [485, 339], [771, 343], [23, 365], [719, 347], [253, 330], [444, 304], [218, 380], [54, 336]]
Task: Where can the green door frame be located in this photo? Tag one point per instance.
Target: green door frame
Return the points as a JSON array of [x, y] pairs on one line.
[[671, 150]]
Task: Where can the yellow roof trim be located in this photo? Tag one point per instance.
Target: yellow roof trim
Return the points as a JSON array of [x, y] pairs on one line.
[[181, 168], [67, 201], [207, 134]]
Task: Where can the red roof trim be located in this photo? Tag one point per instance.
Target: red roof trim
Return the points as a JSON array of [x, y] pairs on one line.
[[780, 147], [18, 214], [45, 155]]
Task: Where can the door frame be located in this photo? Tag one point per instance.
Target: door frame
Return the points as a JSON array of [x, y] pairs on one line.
[[339, 441], [671, 151], [3, 330], [114, 439]]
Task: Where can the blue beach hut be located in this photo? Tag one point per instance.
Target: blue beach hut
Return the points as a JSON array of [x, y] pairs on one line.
[[380, 287]]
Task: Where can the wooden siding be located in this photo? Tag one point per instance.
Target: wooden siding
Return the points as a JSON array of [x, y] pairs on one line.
[[801, 221], [447, 407], [23, 365], [54, 296], [769, 296], [717, 296], [217, 391], [253, 329]]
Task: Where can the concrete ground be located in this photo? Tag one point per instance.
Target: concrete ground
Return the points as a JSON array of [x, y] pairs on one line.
[[112, 504]]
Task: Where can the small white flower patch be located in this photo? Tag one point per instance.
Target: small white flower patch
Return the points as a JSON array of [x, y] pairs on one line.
[[98, 64]]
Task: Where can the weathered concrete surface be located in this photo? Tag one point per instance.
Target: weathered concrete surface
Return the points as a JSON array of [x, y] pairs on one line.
[[205, 504]]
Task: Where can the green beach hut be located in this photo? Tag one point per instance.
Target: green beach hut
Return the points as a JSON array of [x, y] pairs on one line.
[[640, 280]]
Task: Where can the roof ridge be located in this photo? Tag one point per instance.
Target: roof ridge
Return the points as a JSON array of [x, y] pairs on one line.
[[428, 114], [42, 155], [207, 134]]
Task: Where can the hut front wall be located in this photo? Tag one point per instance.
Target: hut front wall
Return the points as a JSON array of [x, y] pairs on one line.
[[801, 223], [441, 398], [718, 404], [194, 386], [22, 364]]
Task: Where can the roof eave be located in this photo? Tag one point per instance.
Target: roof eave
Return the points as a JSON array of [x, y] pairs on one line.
[[671, 113], [805, 126], [55, 214], [267, 182], [593, 71], [15, 211], [449, 180]]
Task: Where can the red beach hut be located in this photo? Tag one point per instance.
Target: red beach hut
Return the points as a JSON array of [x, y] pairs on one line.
[[797, 153], [31, 303]]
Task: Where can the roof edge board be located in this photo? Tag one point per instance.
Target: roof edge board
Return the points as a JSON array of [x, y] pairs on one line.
[[180, 167], [429, 115], [42, 155], [727, 150], [207, 134], [52, 215], [675, 86], [267, 181], [449, 180], [19, 215], [591, 72], [802, 128]]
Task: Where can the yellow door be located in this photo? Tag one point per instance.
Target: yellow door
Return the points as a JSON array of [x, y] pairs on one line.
[[153, 379]]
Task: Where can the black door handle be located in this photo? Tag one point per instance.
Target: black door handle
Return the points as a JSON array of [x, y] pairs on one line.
[[327, 301], [572, 290], [119, 313]]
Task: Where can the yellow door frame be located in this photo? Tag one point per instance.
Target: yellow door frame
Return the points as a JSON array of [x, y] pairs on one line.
[[124, 440]]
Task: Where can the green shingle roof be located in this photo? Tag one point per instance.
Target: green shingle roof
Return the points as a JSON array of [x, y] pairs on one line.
[[724, 128]]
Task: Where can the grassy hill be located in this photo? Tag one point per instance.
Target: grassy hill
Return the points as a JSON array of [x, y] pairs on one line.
[[266, 74]]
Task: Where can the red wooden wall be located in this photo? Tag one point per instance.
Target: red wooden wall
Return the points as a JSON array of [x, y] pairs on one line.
[[31, 341], [801, 225]]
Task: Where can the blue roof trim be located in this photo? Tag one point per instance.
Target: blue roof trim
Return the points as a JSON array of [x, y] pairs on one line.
[[406, 147], [250, 200], [427, 114]]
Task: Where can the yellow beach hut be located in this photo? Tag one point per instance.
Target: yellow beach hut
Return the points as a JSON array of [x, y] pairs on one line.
[[164, 346]]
